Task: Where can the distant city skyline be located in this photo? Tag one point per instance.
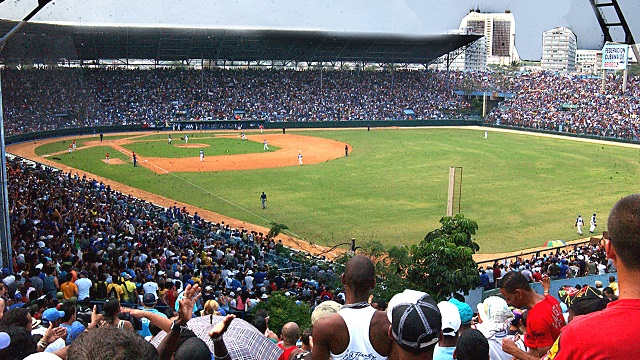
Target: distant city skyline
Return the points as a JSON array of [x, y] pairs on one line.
[[396, 16]]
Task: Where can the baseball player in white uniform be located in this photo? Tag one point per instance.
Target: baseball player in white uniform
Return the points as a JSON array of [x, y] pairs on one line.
[[593, 223], [300, 158], [265, 145], [579, 224], [201, 155]]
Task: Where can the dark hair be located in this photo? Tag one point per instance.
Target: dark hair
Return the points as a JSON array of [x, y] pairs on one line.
[[22, 343], [193, 348], [472, 345], [624, 230], [69, 310], [306, 333], [606, 290], [154, 329], [260, 323], [111, 308], [15, 317], [514, 280], [109, 343]]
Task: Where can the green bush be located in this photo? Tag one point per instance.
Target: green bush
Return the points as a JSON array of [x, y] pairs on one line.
[[283, 309]]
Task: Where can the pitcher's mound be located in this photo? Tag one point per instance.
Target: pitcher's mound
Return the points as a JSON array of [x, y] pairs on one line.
[[192, 146]]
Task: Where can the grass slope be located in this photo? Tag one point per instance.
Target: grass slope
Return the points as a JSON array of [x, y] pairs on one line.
[[522, 190]]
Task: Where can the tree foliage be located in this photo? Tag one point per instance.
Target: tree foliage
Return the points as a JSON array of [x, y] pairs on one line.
[[442, 263], [276, 229], [283, 309]]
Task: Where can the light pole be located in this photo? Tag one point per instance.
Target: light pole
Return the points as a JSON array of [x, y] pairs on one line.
[[5, 233]]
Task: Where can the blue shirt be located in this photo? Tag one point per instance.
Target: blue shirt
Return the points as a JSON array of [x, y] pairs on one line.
[[443, 353], [145, 322]]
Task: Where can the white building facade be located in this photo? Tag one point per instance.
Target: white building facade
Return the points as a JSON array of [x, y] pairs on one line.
[[498, 45], [588, 61], [559, 47]]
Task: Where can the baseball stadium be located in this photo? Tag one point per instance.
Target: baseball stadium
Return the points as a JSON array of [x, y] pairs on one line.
[[147, 149]]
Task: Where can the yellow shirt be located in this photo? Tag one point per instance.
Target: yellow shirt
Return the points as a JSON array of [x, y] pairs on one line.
[[69, 290], [130, 293], [118, 288]]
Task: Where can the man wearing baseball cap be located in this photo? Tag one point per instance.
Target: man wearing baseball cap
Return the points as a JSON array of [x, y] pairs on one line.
[[450, 325], [415, 324], [53, 317], [149, 302]]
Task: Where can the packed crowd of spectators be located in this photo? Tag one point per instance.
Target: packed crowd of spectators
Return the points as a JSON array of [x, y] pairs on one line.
[[572, 262], [77, 242], [572, 104], [37, 100]]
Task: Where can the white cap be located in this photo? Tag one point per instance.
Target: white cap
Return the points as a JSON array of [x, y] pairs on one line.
[[407, 296], [494, 309], [450, 318]]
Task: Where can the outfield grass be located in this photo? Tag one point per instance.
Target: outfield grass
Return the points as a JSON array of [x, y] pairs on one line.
[[63, 145], [522, 190]]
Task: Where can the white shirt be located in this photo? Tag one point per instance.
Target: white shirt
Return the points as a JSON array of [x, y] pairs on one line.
[[601, 269], [150, 287], [84, 285], [248, 280]]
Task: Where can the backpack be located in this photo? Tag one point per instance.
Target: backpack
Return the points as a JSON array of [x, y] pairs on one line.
[[101, 290], [113, 293]]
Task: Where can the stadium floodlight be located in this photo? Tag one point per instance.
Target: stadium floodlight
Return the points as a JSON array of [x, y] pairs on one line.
[[5, 234]]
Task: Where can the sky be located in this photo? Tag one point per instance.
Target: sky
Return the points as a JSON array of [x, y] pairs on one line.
[[388, 16]]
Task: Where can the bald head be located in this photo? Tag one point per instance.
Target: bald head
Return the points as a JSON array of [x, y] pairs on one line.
[[359, 275], [290, 333]]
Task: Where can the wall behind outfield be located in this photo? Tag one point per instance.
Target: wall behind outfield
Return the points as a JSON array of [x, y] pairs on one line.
[[562, 133]]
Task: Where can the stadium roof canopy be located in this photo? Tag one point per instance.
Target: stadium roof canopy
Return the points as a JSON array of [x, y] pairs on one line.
[[52, 42]]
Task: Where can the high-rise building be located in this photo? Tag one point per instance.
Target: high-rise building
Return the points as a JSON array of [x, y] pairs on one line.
[[498, 44], [559, 47], [588, 61]]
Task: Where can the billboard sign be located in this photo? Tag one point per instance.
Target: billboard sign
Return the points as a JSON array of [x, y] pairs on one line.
[[615, 56]]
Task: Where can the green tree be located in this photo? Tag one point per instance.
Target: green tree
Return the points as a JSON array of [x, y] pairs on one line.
[[634, 70], [442, 263], [276, 229], [391, 273], [283, 309]]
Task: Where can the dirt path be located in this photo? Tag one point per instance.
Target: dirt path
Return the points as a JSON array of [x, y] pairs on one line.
[[314, 150]]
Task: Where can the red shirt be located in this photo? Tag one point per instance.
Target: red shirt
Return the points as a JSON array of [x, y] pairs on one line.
[[537, 277], [608, 334], [171, 297], [287, 351], [544, 323], [327, 294]]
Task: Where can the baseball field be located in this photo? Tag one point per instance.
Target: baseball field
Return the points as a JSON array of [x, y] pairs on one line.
[[521, 189]]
